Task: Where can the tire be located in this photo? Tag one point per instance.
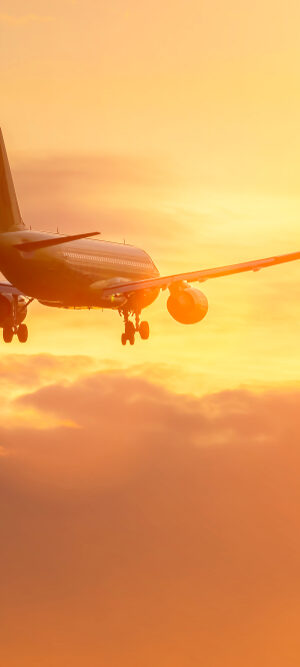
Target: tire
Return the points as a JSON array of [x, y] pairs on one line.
[[129, 329], [144, 330], [7, 334], [22, 333]]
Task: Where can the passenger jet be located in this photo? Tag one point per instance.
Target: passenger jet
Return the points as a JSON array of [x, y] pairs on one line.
[[78, 271]]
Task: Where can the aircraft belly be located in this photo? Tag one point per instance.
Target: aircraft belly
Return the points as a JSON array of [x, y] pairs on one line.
[[71, 287], [40, 279]]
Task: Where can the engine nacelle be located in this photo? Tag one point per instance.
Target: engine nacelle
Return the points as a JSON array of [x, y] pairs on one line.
[[188, 305]]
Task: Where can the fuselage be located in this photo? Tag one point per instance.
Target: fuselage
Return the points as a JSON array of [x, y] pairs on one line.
[[73, 274]]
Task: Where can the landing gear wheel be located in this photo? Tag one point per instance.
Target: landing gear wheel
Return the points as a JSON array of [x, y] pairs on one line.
[[144, 330], [129, 329], [129, 333], [8, 334], [22, 333]]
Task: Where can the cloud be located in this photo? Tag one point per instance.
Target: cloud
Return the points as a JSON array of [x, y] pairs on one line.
[[164, 530], [18, 371], [245, 415]]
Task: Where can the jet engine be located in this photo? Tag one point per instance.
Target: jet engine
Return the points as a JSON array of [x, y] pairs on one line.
[[187, 305]]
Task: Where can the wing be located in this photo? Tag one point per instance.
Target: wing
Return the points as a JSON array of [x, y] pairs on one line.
[[199, 276]]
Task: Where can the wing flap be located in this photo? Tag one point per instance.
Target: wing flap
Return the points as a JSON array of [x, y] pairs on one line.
[[200, 276]]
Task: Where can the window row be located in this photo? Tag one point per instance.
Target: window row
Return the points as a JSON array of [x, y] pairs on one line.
[[110, 260]]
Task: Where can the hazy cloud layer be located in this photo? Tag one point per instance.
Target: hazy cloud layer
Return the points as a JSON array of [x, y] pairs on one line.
[[161, 530], [18, 371], [122, 196], [112, 170]]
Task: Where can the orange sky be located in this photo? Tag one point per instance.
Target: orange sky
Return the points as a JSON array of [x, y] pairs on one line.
[[177, 130], [131, 532]]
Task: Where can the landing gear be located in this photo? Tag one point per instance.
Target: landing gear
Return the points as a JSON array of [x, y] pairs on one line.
[[131, 329], [8, 334], [13, 325], [144, 330], [21, 332], [129, 332]]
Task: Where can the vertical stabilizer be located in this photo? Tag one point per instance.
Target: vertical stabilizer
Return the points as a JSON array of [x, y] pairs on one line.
[[10, 217]]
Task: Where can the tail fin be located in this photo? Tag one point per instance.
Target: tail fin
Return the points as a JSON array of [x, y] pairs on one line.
[[10, 217]]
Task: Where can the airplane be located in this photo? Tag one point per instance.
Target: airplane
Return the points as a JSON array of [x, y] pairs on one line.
[[77, 271]]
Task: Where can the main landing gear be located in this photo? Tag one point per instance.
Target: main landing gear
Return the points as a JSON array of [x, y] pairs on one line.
[[14, 325], [131, 328], [20, 331]]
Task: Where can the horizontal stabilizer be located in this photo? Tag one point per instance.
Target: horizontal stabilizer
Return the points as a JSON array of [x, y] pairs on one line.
[[8, 288], [30, 246]]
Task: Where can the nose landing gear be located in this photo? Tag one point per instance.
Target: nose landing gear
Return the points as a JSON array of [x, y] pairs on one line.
[[131, 329]]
